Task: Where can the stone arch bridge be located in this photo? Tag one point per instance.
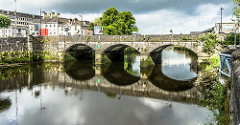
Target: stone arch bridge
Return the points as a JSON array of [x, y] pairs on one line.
[[113, 49]]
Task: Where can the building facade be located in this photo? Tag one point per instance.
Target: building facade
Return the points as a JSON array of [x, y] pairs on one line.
[[19, 23], [54, 25], [226, 28]]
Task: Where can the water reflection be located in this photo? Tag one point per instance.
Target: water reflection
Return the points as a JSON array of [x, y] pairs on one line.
[[132, 63], [115, 73], [4, 104], [46, 94], [55, 107], [80, 70], [166, 83], [179, 63]]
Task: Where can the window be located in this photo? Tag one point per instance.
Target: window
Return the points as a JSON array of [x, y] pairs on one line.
[[50, 25]]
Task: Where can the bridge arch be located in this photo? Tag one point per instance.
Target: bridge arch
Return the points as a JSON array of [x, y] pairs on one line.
[[116, 52], [81, 52], [156, 52], [161, 47]]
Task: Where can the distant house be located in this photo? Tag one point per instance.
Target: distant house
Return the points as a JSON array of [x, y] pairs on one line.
[[54, 25], [19, 23], [225, 28]]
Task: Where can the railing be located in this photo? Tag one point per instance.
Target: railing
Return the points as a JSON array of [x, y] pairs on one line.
[[225, 64]]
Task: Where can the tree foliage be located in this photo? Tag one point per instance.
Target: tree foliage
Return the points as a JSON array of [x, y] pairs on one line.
[[210, 41], [236, 8], [230, 39], [115, 22], [4, 21]]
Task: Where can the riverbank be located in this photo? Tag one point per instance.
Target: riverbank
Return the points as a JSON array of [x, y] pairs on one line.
[[217, 95]]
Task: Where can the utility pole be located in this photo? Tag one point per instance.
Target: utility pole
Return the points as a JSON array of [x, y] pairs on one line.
[[40, 22], [15, 24], [235, 34], [171, 31], [221, 19], [81, 23]]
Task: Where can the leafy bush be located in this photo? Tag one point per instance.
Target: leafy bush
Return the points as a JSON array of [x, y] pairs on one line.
[[209, 42], [230, 39]]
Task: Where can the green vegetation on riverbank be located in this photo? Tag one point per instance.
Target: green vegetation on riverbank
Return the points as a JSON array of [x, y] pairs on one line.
[[25, 57], [217, 99]]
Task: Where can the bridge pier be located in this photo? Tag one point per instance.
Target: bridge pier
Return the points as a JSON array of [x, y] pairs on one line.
[[101, 58], [146, 61]]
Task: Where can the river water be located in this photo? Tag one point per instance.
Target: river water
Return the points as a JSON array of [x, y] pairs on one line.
[[78, 93]]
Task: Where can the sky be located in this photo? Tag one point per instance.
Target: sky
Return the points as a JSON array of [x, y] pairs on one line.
[[152, 16]]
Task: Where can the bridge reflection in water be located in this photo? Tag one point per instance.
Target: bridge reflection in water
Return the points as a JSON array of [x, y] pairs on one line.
[[114, 78], [114, 91]]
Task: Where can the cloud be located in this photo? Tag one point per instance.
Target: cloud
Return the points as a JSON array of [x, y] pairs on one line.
[[162, 21], [153, 17], [93, 6]]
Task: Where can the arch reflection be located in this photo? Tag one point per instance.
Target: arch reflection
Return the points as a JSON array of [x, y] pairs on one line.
[[115, 73], [80, 70], [169, 84]]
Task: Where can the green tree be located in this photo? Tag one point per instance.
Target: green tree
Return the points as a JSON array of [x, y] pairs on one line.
[[230, 39], [115, 22], [4, 21], [97, 22], [236, 8]]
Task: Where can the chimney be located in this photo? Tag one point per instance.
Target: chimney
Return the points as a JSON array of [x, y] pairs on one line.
[[58, 14], [52, 14], [75, 19], [44, 15]]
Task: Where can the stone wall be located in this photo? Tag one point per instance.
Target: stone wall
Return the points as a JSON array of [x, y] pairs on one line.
[[13, 44], [235, 87], [20, 44], [129, 38]]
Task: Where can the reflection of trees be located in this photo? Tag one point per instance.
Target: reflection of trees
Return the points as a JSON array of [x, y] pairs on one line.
[[18, 77], [129, 60], [4, 104]]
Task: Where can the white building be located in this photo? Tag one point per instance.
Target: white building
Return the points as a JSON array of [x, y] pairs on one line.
[[53, 25], [19, 23], [226, 28]]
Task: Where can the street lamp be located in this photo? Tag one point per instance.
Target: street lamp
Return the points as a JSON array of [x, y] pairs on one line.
[[171, 31], [221, 19], [15, 24]]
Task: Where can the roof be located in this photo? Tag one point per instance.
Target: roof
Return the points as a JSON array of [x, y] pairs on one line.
[[62, 21], [19, 14]]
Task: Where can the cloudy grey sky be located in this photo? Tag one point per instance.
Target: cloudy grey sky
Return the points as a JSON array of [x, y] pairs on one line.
[[152, 16]]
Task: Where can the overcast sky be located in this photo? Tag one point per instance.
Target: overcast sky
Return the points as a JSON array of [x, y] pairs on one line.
[[152, 16]]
